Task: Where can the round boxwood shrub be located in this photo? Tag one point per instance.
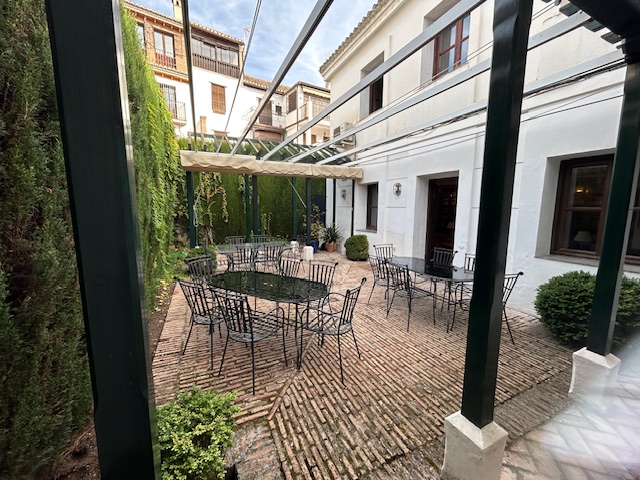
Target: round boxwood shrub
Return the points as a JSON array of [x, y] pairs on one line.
[[564, 307], [357, 247], [193, 431]]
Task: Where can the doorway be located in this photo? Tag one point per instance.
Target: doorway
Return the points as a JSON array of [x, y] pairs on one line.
[[441, 214]]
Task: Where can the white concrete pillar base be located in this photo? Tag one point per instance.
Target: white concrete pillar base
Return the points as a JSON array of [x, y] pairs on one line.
[[594, 377], [472, 453], [307, 253]]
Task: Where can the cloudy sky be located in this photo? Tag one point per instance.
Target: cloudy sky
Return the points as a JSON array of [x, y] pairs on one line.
[[279, 23]]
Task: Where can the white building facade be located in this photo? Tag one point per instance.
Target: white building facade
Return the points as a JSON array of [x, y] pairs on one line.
[[422, 190]]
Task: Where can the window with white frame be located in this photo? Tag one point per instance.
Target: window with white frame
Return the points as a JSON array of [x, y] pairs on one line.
[[581, 205]]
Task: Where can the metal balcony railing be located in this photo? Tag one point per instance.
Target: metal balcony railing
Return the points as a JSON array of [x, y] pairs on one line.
[[178, 111], [271, 119], [216, 66]]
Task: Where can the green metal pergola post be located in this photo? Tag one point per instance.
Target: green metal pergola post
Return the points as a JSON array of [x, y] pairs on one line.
[[294, 210], [191, 213], [512, 19], [617, 224], [256, 219], [247, 208], [94, 117], [308, 192]]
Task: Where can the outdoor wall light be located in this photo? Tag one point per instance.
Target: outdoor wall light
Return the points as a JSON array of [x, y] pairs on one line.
[[343, 193], [397, 188]]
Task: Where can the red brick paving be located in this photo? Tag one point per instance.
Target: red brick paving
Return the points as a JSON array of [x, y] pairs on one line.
[[387, 422]]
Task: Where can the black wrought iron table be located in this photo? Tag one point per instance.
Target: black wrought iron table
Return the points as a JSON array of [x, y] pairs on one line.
[[274, 288]]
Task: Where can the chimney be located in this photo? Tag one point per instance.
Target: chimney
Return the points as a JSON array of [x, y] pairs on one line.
[[177, 10]]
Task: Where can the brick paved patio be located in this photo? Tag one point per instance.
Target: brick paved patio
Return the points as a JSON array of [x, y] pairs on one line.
[[388, 420]]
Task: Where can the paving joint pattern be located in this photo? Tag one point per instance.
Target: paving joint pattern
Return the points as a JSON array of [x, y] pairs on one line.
[[388, 421]]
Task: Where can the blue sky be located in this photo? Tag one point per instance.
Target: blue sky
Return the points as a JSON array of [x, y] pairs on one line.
[[279, 23]]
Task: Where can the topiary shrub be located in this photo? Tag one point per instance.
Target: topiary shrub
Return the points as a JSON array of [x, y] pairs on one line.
[[194, 430], [357, 247], [564, 306]]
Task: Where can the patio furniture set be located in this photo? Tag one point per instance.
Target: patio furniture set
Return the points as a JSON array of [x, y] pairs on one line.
[[270, 272], [413, 278]]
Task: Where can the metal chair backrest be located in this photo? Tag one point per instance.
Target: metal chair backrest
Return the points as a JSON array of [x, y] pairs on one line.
[[243, 258], [235, 310], [196, 299], [201, 268], [302, 242], [509, 282], [289, 266], [442, 257], [399, 277], [322, 271], [259, 238], [384, 250], [470, 262], [234, 240], [378, 268], [272, 253], [349, 305]]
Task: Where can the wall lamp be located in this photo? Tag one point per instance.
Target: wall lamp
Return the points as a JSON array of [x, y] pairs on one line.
[[343, 193], [397, 188]]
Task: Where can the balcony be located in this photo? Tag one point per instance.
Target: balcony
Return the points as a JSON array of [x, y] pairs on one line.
[[311, 109], [271, 119], [178, 112], [165, 60], [216, 66]]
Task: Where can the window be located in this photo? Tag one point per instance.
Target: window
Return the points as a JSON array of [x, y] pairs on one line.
[[375, 95], [165, 53], [140, 32], [583, 191], [218, 103], [292, 100], [452, 47], [278, 109], [221, 53], [372, 206], [169, 94]]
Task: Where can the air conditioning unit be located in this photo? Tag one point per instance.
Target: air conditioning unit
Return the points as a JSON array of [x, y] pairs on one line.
[[350, 140]]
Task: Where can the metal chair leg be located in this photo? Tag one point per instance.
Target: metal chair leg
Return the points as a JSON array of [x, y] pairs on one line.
[[354, 341], [253, 370], [223, 354], [506, 320], [340, 359], [211, 328], [188, 336]]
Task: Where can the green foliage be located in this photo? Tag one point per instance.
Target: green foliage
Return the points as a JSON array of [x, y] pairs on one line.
[[45, 392], [159, 177], [564, 306], [332, 234], [357, 247], [194, 430]]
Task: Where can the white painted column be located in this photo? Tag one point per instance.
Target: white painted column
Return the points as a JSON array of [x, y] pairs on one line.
[[594, 377]]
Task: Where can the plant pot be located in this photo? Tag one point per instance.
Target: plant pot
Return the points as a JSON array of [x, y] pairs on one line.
[[315, 244], [331, 246]]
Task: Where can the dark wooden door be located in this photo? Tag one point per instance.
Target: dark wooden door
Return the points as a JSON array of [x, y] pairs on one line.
[[441, 214]]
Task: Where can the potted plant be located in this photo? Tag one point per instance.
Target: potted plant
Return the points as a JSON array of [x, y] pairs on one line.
[[331, 236]]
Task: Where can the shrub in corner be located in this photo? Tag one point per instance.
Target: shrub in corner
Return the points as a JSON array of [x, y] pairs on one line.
[[564, 306], [357, 247], [194, 430]]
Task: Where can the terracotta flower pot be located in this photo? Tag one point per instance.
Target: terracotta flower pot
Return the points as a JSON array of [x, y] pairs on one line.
[[330, 246]]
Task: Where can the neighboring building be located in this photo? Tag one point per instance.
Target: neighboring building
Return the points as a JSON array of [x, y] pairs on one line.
[[217, 63], [423, 189], [305, 101]]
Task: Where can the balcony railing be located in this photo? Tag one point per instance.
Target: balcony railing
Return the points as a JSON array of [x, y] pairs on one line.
[[165, 60], [178, 111], [216, 66], [271, 119]]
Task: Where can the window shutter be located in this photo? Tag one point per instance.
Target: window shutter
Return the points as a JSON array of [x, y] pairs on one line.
[[218, 104]]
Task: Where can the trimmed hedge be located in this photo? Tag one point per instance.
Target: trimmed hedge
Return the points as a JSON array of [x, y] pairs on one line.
[[564, 306], [357, 247]]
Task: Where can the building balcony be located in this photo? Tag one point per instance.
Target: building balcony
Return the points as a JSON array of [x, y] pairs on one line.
[[165, 60], [178, 111], [271, 119], [216, 66]]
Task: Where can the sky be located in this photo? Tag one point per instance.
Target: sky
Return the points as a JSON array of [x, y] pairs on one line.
[[279, 23]]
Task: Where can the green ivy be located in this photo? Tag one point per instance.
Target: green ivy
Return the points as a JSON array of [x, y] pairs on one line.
[[193, 432], [564, 306]]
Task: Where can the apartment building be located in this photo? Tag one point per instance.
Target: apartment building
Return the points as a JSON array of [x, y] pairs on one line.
[[422, 165]]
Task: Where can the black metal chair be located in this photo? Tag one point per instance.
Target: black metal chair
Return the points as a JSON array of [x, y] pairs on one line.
[[244, 258], [289, 266], [322, 271], [462, 298], [402, 285], [235, 240], [470, 262], [442, 258], [302, 242], [204, 311], [334, 317], [267, 257], [384, 251], [248, 326], [259, 238], [380, 277], [201, 268]]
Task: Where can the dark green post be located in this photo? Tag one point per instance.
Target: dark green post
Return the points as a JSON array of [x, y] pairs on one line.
[[94, 118], [294, 210], [616, 231], [191, 210], [308, 191], [247, 208], [256, 218], [511, 23]]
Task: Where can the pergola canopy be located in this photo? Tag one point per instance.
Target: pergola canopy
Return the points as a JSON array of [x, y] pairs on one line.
[[248, 164]]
